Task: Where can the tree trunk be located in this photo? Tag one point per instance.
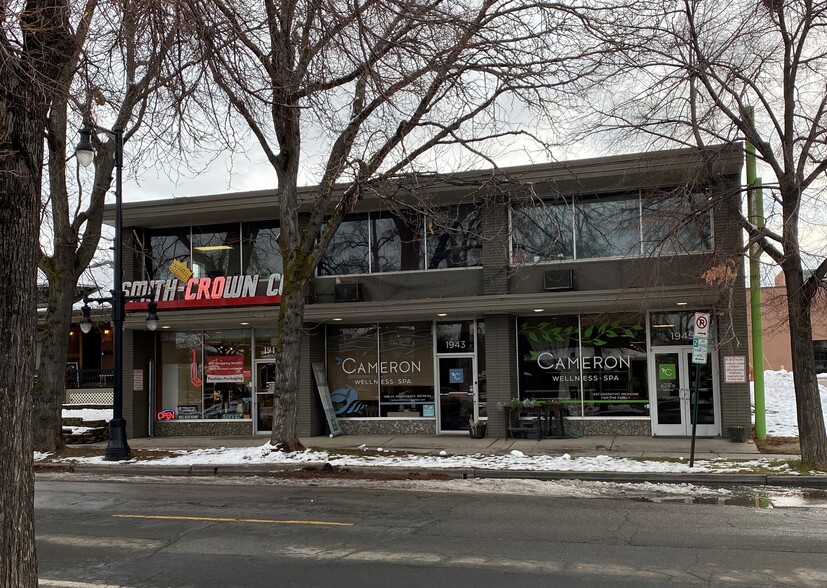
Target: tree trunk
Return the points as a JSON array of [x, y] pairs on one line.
[[50, 389], [21, 156], [811, 430], [285, 433]]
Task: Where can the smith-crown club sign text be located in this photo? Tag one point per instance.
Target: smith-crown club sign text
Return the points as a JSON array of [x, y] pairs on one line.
[[216, 291]]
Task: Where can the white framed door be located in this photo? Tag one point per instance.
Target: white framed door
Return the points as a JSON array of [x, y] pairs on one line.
[[672, 389]]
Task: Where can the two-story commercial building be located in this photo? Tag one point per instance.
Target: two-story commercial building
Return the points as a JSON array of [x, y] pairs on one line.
[[437, 303]]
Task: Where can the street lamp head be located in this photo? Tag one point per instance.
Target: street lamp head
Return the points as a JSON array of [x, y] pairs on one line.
[[152, 319], [84, 150], [86, 320]]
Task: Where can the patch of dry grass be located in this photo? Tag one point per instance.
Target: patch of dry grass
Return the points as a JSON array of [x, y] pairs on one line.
[[779, 445]]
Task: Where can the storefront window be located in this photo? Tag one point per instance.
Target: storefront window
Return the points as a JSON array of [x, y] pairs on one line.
[[613, 362], [543, 231], [380, 371], [598, 362], [549, 360], [406, 369], [260, 251], [181, 376], [352, 366], [228, 373], [205, 378]]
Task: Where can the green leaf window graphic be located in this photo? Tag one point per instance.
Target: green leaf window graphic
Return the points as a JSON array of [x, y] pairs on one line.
[[596, 335]]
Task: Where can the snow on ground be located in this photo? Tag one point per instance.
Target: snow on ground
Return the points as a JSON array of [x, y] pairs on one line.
[[87, 414], [781, 421], [779, 397]]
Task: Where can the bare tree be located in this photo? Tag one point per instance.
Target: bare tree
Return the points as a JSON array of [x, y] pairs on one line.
[[129, 68], [690, 72], [34, 50], [375, 88]]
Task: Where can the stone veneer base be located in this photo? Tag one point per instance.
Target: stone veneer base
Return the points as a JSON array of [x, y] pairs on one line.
[[388, 427], [217, 428], [238, 428]]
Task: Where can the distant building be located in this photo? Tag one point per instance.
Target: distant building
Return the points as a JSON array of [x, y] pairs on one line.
[[776, 326]]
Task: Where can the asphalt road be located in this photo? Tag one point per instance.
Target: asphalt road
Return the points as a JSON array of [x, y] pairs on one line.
[[157, 533]]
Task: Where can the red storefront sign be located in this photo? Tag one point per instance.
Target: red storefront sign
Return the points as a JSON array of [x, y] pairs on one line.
[[225, 368]]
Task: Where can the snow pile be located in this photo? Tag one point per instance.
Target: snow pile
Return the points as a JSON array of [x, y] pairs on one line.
[[87, 414], [779, 398]]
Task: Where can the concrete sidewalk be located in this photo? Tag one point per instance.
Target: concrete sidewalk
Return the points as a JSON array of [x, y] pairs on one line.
[[463, 445], [614, 446]]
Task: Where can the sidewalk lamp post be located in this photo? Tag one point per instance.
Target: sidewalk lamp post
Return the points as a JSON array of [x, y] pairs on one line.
[[118, 448]]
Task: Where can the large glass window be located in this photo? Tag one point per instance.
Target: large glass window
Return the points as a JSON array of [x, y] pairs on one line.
[[396, 241], [613, 361], [228, 372], [611, 225], [676, 222], [406, 368], [403, 240], [163, 249], [608, 226], [216, 251], [543, 231], [454, 238], [380, 371], [348, 252], [261, 253], [352, 370], [205, 375], [595, 365], [181, 376], [549, 360]]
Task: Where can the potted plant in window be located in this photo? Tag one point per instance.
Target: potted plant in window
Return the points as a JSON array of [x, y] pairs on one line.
[[477, 429]]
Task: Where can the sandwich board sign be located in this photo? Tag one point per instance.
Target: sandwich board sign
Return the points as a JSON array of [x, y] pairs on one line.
[[324, 395]]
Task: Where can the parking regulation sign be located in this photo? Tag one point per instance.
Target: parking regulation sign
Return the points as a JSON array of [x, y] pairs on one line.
[[701, 323], [700, 347], [700, 342]]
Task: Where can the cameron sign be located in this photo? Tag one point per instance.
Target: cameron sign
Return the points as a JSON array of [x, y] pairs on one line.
[[548, 361], [207, 292]]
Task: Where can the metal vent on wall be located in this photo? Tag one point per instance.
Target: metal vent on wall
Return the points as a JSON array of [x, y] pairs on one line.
[[348, 292], [558, 280]]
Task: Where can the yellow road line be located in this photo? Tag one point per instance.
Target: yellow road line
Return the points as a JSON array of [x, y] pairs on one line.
[[231, 520]]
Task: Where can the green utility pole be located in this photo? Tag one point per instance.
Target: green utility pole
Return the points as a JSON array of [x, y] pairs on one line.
[[755, 210]]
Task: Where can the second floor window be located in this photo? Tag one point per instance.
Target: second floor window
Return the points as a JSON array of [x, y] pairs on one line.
[[611, 225], [403, 241]]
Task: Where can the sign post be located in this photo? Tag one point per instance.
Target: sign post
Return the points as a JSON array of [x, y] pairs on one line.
[[700, 347]]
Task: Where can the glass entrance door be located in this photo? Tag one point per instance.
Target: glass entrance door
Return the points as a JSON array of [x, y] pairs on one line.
[[673, 385], [457, 393], [265, 385]]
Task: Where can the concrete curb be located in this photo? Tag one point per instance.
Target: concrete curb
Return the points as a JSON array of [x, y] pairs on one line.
[[244, 470]]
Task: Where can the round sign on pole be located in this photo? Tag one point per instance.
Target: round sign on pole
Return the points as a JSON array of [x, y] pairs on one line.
[[701, 325]]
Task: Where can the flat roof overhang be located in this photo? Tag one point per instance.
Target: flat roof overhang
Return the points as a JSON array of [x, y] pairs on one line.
[[557, 303]]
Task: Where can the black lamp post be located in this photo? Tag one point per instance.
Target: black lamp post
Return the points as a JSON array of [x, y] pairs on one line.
[[118, 448]]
